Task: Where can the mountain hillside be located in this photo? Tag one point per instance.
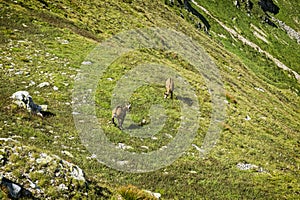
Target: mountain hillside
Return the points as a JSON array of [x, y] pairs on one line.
[[231, 131]]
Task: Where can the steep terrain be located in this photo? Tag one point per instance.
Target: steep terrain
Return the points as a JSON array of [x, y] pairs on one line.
[[254, 46]]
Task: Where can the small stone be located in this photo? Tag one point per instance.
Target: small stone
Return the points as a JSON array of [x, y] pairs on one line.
[[19, 95], [247, 118], [62, 187], [31, 83], [86, 63], [124, 146], [19, 73], [77, 173], [259, 89], [246, 166], [64, 42], [155, 194], [43, 84], [44, 107], [163, 147]]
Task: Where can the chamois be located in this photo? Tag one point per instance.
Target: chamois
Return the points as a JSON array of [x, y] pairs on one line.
[[119, 112], [169, 87]]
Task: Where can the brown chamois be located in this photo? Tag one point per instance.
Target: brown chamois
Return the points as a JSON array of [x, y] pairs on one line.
[[119, 112], [169, 88]]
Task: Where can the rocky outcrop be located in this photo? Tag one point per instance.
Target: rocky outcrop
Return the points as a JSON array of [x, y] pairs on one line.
[[28, 172], [249, 43], [268, 6], [24, 100], [14, 190], [192, 10], [200, 21], [291, 32]]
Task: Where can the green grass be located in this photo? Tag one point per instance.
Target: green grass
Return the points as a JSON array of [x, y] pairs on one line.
[[32, 42]]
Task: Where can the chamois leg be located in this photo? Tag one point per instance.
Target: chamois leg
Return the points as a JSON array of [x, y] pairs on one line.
[[120, 121], [113, 121]]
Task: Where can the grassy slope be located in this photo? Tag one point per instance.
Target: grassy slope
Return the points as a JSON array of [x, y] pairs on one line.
[[32, 43], [279, 44]]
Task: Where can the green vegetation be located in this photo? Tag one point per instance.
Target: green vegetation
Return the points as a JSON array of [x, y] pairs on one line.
[[48, 40], [131, 192]]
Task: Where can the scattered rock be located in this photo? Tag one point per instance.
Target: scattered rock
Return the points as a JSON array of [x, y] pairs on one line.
[[19, 73], [19, 95], [291, 32], [62, 41], [62, 187], [43, 159], [55, 88], [248, 166], [143, 122], [43, 84], [163, 147], [62, 178], [31, 83], [237, 3], [86, 63], [247, 118], [198, 148], [93, 156], [124, 146], [44, 107], [145, 147], [259, 89], [154, 194]]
